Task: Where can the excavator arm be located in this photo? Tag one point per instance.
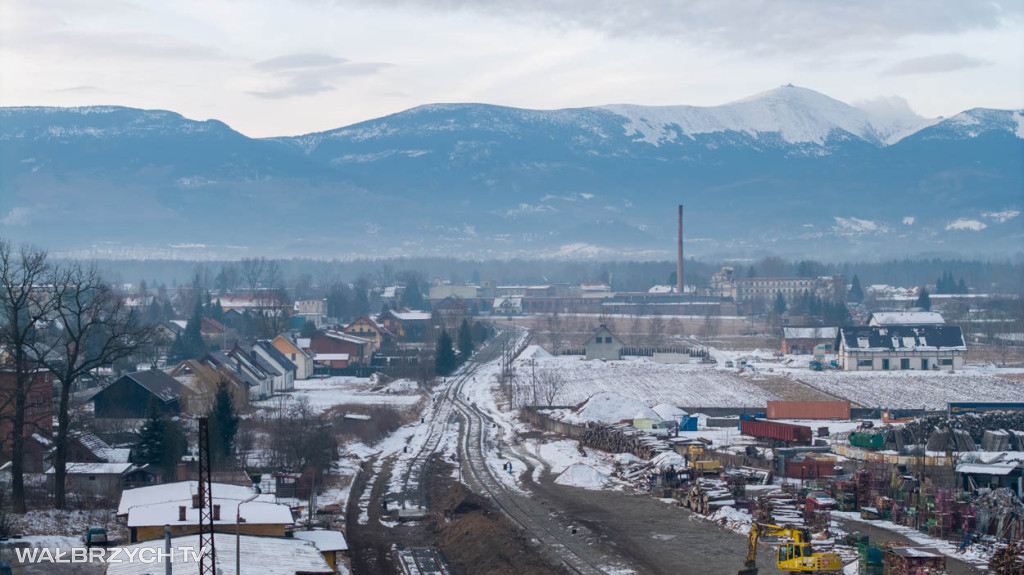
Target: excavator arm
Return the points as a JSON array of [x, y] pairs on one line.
[[798, 535]]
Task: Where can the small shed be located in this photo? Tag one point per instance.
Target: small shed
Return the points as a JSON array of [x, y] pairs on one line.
[[331, 544], [604, 345], [913, 560], [94, 480]]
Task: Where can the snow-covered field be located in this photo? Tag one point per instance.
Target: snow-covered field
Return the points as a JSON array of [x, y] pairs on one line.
[[695, 384], [322, 394], [893, 389], [641, 378], [916, 389]]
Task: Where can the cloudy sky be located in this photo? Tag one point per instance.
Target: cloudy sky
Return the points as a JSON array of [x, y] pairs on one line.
[[282, 67]]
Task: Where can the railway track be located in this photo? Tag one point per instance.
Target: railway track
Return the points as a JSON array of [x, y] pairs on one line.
[[422, 561], [474, 445]]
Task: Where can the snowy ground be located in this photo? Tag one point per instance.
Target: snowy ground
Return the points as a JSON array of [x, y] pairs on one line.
[[892, 389], [695, 384], [676, 384], [325, 393]]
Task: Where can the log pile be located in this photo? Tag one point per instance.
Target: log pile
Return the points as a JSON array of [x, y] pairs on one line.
[[622, 439], [1008, 560]]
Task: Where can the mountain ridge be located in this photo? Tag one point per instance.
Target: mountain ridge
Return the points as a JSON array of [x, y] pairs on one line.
[[789, 170]]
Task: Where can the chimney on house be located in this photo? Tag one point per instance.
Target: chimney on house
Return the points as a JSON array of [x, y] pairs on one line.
[[679, 255], [216, 512], [181, 512]]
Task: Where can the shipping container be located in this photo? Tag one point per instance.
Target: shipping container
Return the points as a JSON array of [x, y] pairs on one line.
[[867, 440], [977, 407], [776, 432], [809, 410]]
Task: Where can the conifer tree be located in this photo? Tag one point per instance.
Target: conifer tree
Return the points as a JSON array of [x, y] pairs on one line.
[[924, 301], [465, 340], [444, 357], [856, 293], [223, 425]]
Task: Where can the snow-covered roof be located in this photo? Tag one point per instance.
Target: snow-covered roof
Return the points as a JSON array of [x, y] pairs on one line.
[[324, 540], [887, 318], [809, 332], [253, 512], [347, 337], [263, 555], [331, 357], [987, 469], [95, 468], [181, 491], [662, 289], [411, 315], [302, 342]]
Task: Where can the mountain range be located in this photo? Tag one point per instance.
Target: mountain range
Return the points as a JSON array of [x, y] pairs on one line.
[[788, 171]]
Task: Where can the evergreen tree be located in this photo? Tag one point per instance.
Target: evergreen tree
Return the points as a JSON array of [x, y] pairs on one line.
[[465, 340], [444, 355], [307, 329], [780, 303], [223, 425], [150, 448], [856, 293], [193, 345], [161, 442], [177, 352], [412, 297], [961, 287], [480, 332], [214, 310], [924, 301]]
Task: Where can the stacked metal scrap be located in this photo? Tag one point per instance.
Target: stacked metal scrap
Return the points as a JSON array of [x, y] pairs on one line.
[[1001, 513], [973, 423], [945, 439]]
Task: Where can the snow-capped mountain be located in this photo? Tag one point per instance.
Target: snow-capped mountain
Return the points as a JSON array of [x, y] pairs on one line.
[[789, 170]]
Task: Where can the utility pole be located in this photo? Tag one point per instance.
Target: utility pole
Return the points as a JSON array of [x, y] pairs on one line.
[[207, 548]]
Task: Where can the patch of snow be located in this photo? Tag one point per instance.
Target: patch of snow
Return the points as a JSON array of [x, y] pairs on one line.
[[849, 227], [610, 407], [798, 115], [909, 220], [581, 475]]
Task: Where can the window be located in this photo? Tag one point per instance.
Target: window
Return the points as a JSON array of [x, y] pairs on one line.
[[92, 478], [864, 363], [885, 364], [905, 363], [946, 361], [924, 363]]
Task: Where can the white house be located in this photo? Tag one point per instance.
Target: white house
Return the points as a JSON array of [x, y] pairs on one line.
[[281, 370], [901, 347], [602, 344], [299, 356]]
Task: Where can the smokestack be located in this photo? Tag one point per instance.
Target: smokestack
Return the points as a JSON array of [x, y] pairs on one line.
[[679, 255]]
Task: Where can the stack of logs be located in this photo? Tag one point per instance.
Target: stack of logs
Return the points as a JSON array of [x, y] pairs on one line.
[[622, 439]]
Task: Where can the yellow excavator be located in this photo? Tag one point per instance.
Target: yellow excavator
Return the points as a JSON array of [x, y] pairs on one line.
[[794, 555], [696, 457]]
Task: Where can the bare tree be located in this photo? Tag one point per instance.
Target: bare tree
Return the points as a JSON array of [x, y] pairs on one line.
[[23, 304], [549, 384], [91, 328]]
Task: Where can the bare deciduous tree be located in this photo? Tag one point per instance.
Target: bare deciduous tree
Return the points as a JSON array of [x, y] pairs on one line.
[[549, 384], [23, 304], [91, 327]]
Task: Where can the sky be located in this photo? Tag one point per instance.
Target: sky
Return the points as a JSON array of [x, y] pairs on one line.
[[286, 67]]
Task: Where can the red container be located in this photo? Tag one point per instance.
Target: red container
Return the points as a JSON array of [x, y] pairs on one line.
[[809, 410], [776, 432], [809, 468]]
